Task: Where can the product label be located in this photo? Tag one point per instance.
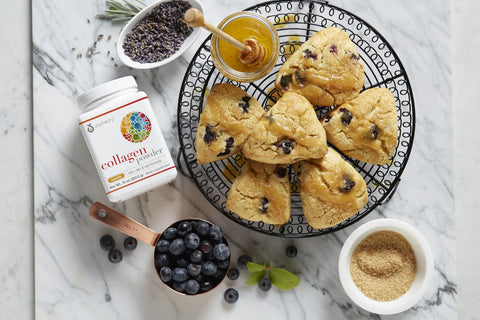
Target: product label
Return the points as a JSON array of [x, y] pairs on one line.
[[126, 145]]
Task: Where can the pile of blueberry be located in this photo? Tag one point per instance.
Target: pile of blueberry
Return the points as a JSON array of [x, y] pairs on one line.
[[192, 256], [107, 243]]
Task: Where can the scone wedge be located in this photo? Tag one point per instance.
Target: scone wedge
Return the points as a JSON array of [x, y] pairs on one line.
[[325, 69], [229, 117], [331, 190], [261, 192], [366, 127], [289, 132]]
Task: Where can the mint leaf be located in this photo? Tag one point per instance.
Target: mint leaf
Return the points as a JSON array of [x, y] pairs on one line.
[[283, 279], [253, 267], [255, 277]]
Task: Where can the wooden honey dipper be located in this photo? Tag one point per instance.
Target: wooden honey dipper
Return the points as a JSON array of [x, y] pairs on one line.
[[251, 52]]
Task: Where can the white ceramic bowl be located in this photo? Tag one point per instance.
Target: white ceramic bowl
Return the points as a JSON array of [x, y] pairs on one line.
[[423, 255], [139, 16]]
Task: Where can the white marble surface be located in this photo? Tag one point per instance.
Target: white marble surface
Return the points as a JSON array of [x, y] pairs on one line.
[[72, 276]]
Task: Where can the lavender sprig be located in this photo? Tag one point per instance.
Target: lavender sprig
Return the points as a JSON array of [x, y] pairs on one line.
[[121, 11]]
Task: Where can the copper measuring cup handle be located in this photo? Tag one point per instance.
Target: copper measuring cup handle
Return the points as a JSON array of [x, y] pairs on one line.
[[124, 224]]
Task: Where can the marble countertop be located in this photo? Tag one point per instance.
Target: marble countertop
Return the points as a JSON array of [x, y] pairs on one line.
[[50, 263]]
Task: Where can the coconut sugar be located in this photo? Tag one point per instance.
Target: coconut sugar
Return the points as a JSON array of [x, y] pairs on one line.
[[383, 266]]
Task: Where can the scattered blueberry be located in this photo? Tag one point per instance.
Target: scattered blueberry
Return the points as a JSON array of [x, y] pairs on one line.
[[196, 256], [192, 240], [194, 269], [233, 274], [242, 261], [265, 284], [179, 274], [106, 242], [192, 287], [162, 260], [205, 246], [166, 274], [162, 245], [202, 228], [170, 233], [115, 256], [130, 243], [291, 251], [209, 268], [230, 295], [216, 233], [177, 247], [221, 251]]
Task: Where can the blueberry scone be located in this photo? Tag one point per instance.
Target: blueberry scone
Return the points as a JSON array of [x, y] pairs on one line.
[[325, 69], [366, 127], [331, 190], [261, 192], [288, 132], [229, 116]]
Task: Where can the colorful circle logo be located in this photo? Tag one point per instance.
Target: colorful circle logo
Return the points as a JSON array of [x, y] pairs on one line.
[[136, 127]]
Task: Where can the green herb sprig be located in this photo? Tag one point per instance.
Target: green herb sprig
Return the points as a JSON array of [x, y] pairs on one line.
[[121, 11], [280, 278]]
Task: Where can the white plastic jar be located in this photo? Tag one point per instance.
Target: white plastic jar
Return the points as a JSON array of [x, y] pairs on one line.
[[124, 139]]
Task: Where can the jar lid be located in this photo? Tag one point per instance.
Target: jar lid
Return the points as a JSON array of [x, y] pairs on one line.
[[105, 89]]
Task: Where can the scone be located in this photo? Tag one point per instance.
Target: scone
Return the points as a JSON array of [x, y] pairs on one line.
[[325, 69], [228, 118], [287, 133], [261, 192], [366, 127], [331, 190]]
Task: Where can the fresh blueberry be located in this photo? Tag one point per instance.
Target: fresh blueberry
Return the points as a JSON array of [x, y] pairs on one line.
[[242, 261], [196, 256], [192, 287], [216, 233], [221, 251], [205, 286], [165, 274], [130, 243], [182, 262], [218, 275], [209, 256], [291, 251], [162, 260], [209, 268], [230, 295], [162, 245], [223, 264], [184, 227], [192, 240], [106, 242], [265, 284], [233, 274], [179, 274], [179, 286], [202, 228], [115, 256], [177, 247], [194, 269], [170, 233], [205, 246]]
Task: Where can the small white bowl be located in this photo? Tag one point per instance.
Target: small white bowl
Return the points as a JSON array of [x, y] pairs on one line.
[[139, 16], [423, 255]]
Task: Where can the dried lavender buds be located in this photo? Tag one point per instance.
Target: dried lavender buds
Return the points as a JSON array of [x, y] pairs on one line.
[[159, 34]]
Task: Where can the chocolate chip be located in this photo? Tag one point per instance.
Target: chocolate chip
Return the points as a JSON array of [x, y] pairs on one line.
[[374, 132], [244, 104], [347, 185], [346, 116], [281, 171], [333, 49], [309, 54], [228, 145], [263, 205], [285, 81], [209, 135]]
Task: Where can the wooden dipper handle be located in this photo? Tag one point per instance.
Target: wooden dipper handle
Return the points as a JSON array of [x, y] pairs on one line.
[[194, 18]]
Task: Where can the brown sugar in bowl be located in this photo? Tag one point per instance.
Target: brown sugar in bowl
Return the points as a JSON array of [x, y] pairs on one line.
[[385, 266]]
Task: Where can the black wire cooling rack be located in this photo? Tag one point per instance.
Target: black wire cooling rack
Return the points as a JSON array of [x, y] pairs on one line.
[[296, 21]]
